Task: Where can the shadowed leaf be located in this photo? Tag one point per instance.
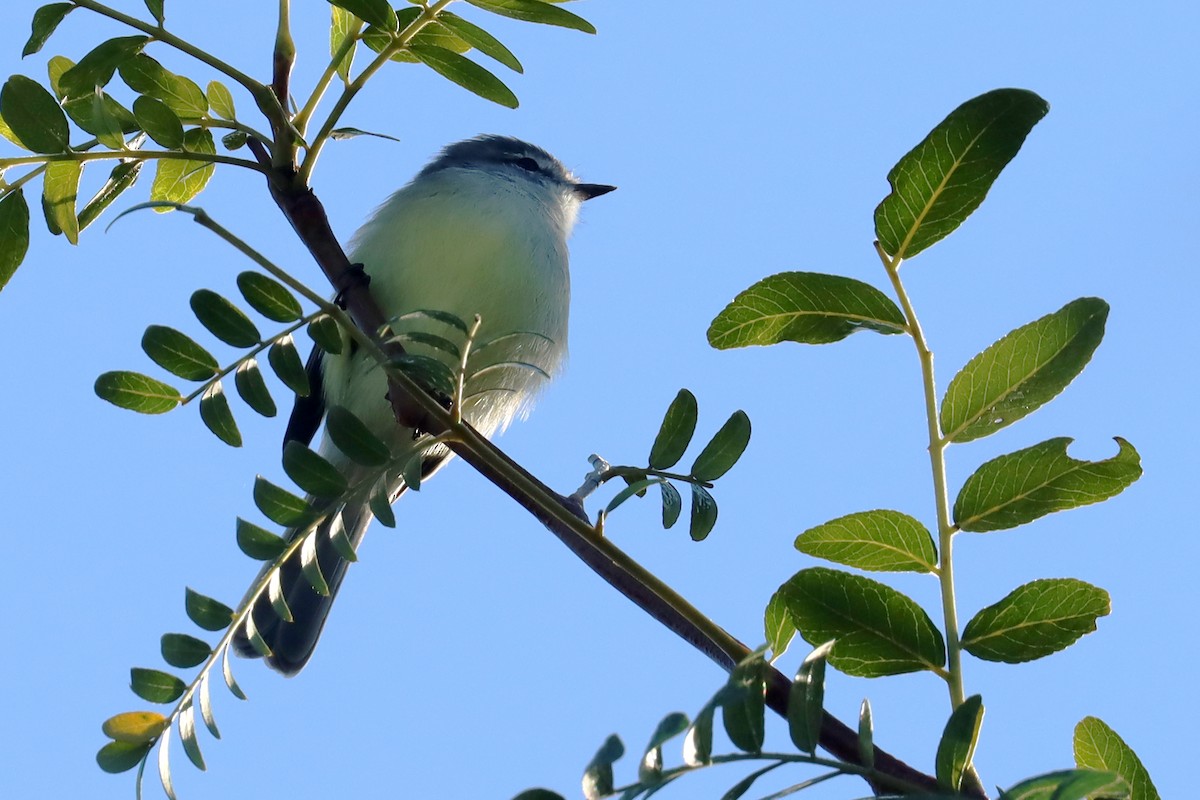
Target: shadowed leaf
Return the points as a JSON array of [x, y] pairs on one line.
[[159, 122], [97, 67], [14, 234], [183, 651], [217, 416], [258, 543], [957, 745], [374, 12], [279, 505], [223, 319], [704, 513], [155, 685], [725, 448], [207, 613], [288, 366], [33, 116], [269, 297], [535, 11], [117, 757], [355, 439], [45, 21], [465, 72], [806, 701], [675, 433], [182, 95], [253, 389], [481, 40], [312, 472]]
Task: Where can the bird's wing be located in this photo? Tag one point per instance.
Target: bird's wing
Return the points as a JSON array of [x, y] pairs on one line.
[[308, 411]]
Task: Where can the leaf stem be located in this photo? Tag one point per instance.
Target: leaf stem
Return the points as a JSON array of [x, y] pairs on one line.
[[937, 463], [132, 155], [305, 114]]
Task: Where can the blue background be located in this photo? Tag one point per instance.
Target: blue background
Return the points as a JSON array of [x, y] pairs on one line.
[[470, 655]]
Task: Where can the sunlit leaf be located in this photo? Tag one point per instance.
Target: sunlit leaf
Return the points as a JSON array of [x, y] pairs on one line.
[[777, 626], [60, 192], [1035, 620], [269, 297], [650, 767], [957, 745], [182, 95], [312, 568], [535, 11], [866, 735], [206, 712], [1020, 487], [137, 392], [884, 541], [187, 736], [33, 116], [155, 685], [1071, 784], [340, 539], [725, 448], [207, 613], [697, 745], [178, 180], [1097, 746], [221, 100], [1023, 371], [942, 180], [217, 416], [675, 433], [804, 307], [45, 21], [134, 727], [223, 319], [343, 26], [465, 72], [879, 631]]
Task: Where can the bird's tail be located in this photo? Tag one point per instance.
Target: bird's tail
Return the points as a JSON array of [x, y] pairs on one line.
[[292, 643]]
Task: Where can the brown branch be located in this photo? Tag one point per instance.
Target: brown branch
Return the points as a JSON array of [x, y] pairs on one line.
[[307, 216]]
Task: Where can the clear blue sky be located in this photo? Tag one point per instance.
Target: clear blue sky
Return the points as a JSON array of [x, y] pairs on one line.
[[470, 656]]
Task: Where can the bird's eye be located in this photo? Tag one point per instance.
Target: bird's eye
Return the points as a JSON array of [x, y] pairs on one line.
[[528, 164]]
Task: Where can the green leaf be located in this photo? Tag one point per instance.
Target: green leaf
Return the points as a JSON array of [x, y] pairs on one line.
[[481, 40], [340, 539], [879, 631], [704, 513], [209, 614], [221, 100], [97, 67], [650, 768], [637, 487], [269, 297], [742, 702], [117, 757], [253, 389], [178, 354], [60, 191], [159, 122], [258, 543], [1035, 620], [217, 417], [310, 567], [223, 319], [937, 185], [1072, 784], [675, 434], [179, 180], [598, 777], [14, 234], [535, 11], [697, 745], [806, 700], [33, 116], [235, 140], [326, 335], [343, 26], [866, 735], [123, 176], [1097, 746], [672, 504], [724, 450], [355, 439], [884, 541], [56, 66], [777, 626], [103, 117], [341, 134], [465, 72], [288, 366], [187, 735], [184, 651], [155, 685], [279, 505], [134, 727], [381, 506], [1023, 371], [137, 392], [804, 307], [45, 21], [311, 472], [1020, 487], [155, 7], [374, 12], [957, 745], [182, 95]]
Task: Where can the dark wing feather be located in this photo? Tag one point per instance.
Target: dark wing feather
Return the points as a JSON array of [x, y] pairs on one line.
[[308, 411]]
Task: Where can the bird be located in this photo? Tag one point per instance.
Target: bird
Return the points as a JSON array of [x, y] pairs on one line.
[[481, 230]]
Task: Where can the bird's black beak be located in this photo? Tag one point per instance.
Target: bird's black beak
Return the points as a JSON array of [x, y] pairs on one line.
[[587, 191]]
